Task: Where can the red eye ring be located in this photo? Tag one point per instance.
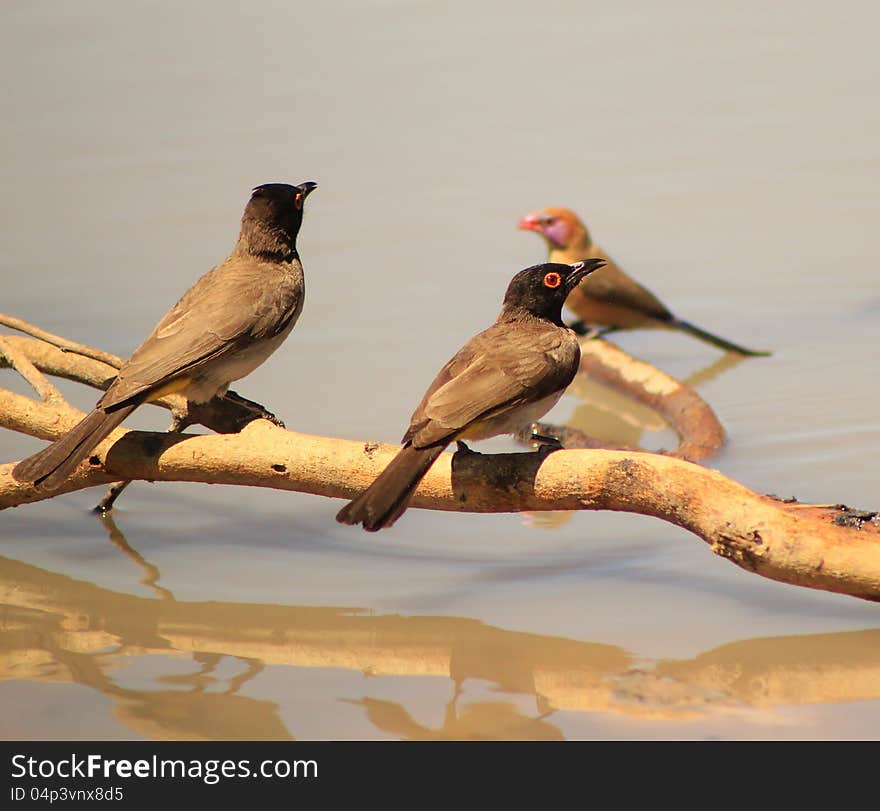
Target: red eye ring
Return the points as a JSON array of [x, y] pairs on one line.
[[298, 200], [552, 280]]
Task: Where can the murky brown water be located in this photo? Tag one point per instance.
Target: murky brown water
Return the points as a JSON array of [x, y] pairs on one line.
[[728, 159]]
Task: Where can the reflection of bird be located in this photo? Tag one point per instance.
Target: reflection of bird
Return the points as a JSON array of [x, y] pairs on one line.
[[501, 380], [223, 327], [609, 298]]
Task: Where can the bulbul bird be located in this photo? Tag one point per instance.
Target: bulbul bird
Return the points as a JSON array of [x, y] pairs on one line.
[[502, 380], [230, 321], [610, 298]]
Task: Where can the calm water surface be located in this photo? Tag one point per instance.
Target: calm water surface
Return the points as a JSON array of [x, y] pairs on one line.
[[729, 159]]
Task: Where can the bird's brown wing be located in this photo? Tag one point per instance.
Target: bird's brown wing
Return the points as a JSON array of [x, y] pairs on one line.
[[239, 301], [501, 369]]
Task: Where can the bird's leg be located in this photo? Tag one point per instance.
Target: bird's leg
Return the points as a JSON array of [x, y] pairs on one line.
[[105, 505], [258, 409]]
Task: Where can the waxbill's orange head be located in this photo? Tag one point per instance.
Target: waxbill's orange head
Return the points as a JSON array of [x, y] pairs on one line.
[[561, 227]]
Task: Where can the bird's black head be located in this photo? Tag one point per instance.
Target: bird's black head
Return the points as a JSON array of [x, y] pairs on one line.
[[272, 219], [541, 290]]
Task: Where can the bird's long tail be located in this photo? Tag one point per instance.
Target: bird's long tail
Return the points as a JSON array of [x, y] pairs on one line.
[[708, 337], [386, 499], [51, 466]]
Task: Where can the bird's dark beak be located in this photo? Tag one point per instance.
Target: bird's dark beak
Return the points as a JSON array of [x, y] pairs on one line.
[[531, 222], [307, 188], [581, 269]]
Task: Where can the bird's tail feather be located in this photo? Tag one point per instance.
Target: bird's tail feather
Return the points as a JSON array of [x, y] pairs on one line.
[[708, 337], [51, 466], [386, 499]]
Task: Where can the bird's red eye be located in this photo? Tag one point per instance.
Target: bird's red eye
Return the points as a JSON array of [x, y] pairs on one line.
[[298, 200], [552, 280]]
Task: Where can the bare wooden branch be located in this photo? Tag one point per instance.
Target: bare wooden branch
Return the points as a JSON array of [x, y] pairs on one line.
[[22, 364], [808, 545], [792, 543], [61, 343], [226, 416], [701, 434]]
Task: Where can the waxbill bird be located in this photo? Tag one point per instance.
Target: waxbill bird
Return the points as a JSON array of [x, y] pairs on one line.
[[230, 321], [609, 298], [502, 380]]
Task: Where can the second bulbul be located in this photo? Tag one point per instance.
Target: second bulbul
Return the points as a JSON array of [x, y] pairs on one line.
[[499, 382]]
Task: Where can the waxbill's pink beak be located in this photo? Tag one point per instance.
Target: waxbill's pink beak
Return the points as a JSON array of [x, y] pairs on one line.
[[531, 222]]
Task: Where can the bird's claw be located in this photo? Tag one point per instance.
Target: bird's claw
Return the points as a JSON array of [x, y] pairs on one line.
[[268, 415], [260, 411], [546, 444]]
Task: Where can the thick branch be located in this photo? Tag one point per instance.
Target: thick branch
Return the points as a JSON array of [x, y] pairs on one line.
[[700, 433], [818, 547], [788, 542], [690, 416]]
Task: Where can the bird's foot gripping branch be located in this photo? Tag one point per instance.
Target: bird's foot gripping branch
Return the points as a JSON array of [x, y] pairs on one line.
[[826, 547]]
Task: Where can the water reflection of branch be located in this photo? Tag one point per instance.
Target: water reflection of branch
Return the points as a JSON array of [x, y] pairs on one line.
[[151, 573], [62, 630], [709, 372]]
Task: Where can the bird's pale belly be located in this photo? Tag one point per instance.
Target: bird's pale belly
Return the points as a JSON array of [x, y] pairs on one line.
[[512, 421], [214, 378]]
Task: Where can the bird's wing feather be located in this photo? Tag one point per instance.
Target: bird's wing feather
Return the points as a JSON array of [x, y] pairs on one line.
[[498, 370], [238, 301]]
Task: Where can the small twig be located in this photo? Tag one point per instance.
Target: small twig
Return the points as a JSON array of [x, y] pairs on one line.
[[61, 343], [105, 505], [40, 383]]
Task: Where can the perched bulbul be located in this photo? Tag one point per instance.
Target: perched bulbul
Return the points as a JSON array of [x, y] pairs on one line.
[[223, 328], [609, 298], [499, 382]]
